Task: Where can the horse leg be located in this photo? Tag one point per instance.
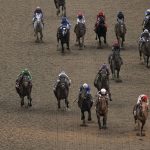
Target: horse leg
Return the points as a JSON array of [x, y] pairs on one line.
[[68, 47], [147, 61], [99, 121], [143, 123], [118, 73], [62, 45], [67, 103], [105, 38], [29, 101], [83, 118], [58, 101], [58, 11], [89, 115], [105, 121], [41, 36], [22, 101]]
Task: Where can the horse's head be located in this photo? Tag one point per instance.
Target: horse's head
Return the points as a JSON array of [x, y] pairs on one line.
[[62, 83], [102, 103], [25, 81], [83, 93], [38, 17], [64, 30], [146, 42]]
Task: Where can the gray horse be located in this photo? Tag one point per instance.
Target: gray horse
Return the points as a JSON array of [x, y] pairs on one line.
[[38, 27], [60, 4], [80, 30], [144, 48], [120, 31], [115, 62]]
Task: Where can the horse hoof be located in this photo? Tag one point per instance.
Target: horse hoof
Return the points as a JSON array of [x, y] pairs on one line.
[[89, 119], [30, 105], [143, 134], [104, 127], [83, 125], [138, 134]]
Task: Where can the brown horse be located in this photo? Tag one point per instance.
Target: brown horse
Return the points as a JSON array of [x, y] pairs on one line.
[[80, 30], [120, 31], [62, 4], [140, 113], [102, 110]]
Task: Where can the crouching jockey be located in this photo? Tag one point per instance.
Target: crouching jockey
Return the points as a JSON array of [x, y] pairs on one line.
[[120, 17], [142, 98], [115, 48], [103, 93], [23, 73], [86, 87], [144, 36], [38, 11], [146, 21], [64, 75], [65, 23], [100, 19], [80, 18]]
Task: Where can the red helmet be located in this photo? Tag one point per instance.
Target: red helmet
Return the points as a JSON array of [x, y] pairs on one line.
[[101, 13], [116, 44], [80, 14], [144, 98]]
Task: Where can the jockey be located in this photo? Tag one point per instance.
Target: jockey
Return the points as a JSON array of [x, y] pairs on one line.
[[144, 35], [103, 93], [120, 17], [23, 73], [146, 19], [142, 98], [115, 47], [100, 18], [65, 22], [80, 18], [104, 66], [86, 87], [62, 74], [38, 10]]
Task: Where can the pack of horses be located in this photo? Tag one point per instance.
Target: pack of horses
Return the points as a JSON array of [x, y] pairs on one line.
[[85, 101]]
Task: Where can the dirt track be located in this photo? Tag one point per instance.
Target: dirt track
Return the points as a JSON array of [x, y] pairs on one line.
[[43, 127]]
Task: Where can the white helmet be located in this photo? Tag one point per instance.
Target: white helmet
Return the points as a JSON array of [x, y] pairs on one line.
[[38, 7], [62, 73], [103, 91], [146, 31], [85, 85]]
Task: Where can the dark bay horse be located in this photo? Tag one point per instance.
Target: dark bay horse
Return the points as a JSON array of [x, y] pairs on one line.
[[85, 104], [115, 62], [140, 115], [24, 89], [144, 49], [63, 34], [62, 92], [102, 110], [38, 27], [120, 31], [101, 32], [102, 81], [60, 4], [80, 30]]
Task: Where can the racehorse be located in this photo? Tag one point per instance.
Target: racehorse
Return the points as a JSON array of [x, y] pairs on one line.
[[62, 4], [80, 30], [102, 110], [62, 92], [120, 31], [102, 81], [101, 32], [38, 27], [24, 89], [140, 115], [144, 49], [85, 104], [115, 62], [63, 34]]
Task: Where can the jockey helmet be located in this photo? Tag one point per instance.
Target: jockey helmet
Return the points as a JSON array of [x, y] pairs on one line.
[[120, 12], [38, 7], [85, 85], [80, 14], [104, 66], [116, 44], [146, 31], [62, 73], [147, 12], [25, 70], [101, 13], [144, 98], [103, 91]]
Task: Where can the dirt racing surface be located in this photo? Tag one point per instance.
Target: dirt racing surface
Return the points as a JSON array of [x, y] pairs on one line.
[[43, 127]]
